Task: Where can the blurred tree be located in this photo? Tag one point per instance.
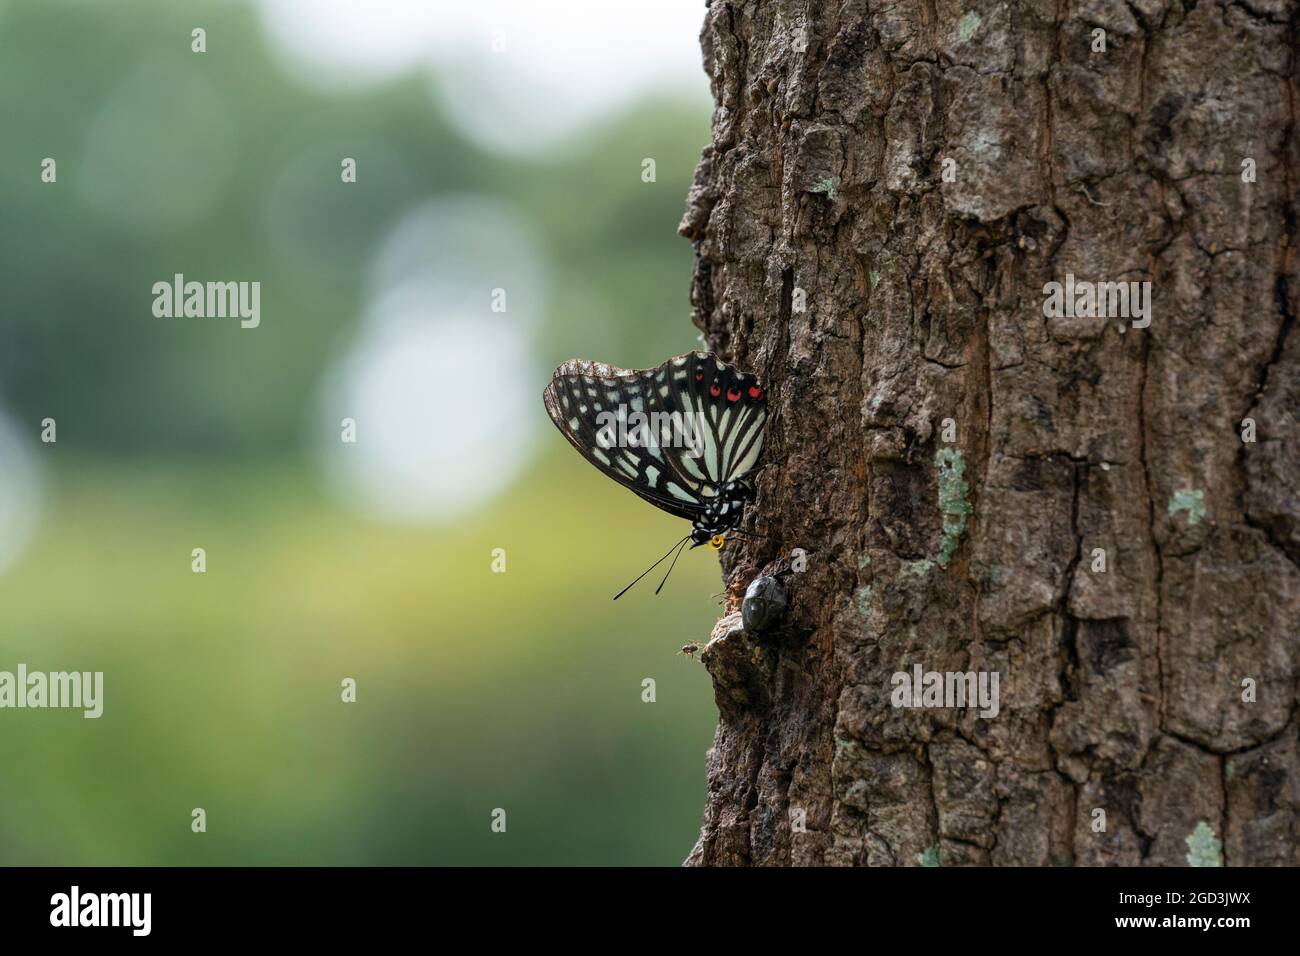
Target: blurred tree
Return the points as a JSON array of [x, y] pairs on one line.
[[1075, 504], [223, 167]]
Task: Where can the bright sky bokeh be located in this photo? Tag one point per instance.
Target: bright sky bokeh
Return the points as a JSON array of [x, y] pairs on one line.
[[515, 75]]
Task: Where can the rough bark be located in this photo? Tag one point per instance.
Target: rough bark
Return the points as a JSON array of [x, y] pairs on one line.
[[1120, 690]]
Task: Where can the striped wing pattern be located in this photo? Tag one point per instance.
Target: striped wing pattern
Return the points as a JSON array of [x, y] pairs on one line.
[[700, 425]]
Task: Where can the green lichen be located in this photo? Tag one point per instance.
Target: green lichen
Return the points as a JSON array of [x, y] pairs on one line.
[[954, 501], [954, 506], [875, 278], [1193, 502], [1202, 847], [930, 857], [826, 186], [845, 746], [919, 568], [967, 26]]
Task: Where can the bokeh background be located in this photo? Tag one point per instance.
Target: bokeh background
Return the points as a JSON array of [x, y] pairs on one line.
[[498, 145]]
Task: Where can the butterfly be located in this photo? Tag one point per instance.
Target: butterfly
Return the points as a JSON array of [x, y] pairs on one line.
[[684, 436]]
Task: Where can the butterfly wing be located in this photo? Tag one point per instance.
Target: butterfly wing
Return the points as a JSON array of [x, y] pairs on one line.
[[584, 399], [727, 412]]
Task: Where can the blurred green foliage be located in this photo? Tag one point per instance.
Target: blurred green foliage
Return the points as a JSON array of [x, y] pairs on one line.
[[476, 690], [220, 166]]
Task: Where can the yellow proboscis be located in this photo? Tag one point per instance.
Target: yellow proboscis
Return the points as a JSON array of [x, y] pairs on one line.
[[716, 542]]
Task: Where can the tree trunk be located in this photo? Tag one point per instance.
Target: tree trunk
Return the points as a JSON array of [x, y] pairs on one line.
[[1148, 703]]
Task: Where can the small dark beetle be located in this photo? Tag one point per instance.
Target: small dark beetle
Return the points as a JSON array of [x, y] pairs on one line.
[[765, 602]]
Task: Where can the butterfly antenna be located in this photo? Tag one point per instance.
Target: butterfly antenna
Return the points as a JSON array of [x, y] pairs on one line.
[[749, 534], [680, 548], [652, 567]]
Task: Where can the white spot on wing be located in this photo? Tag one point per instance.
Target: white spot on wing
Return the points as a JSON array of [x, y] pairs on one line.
[[679, 493]]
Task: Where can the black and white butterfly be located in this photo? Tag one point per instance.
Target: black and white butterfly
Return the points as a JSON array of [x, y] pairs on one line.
[[684, 436]]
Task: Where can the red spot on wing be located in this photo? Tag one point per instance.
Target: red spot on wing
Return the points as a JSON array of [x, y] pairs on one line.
[[699, 376], [715, 390], [755, 392], [733, 394]]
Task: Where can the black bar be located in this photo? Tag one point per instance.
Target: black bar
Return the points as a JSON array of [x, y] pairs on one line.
[[940, 905]]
